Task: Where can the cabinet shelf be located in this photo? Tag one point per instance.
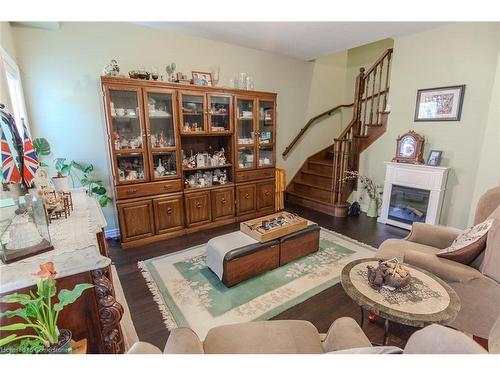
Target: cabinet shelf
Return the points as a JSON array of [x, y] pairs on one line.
[[125, 117], [193, 113], [229, 184], [206, 168], [205, 134], [126, 151]]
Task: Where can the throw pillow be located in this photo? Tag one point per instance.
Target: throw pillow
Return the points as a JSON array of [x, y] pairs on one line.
[[468, 245]]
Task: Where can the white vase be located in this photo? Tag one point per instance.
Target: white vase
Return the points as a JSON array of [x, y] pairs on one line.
[[61, 184]]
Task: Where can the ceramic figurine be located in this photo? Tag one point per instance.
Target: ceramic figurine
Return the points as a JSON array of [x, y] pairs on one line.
[[184, 159], [121, 174], [160, 169], [132, 175], [124, 143], [161, 140], [111, 70], [116, 141]]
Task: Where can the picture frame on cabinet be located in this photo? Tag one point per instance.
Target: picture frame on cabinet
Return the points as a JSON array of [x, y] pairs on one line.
[[202, 78], [439, 103], [434, 158]]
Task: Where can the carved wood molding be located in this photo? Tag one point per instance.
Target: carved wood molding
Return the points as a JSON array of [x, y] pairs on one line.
[[110, 312]]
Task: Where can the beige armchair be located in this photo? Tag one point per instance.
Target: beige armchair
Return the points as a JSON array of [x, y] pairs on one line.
[[301, 337], [477, 284]]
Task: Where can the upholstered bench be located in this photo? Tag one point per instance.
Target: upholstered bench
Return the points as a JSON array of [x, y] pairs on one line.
[[236, 257]]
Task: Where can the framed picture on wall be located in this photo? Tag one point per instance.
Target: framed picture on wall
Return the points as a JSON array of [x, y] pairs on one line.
[[440, 103], [434, 158]]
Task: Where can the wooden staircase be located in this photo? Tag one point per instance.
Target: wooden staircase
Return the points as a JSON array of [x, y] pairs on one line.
[[320, 184]]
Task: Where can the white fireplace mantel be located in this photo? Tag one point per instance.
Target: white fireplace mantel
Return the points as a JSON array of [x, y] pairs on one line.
[[418, 176]]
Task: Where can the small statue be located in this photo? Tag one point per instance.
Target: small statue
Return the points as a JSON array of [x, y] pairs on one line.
[[160, 169], [111, 70], [161, 140], [389, 273], [116, 140]]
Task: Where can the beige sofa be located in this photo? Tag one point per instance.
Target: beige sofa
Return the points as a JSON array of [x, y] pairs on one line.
[[266, 337], [301, 337], [478, 284]]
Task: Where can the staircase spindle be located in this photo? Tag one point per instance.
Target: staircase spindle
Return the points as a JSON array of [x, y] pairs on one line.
[[373, 94], [379, 90], [386, 81], [367, 96]]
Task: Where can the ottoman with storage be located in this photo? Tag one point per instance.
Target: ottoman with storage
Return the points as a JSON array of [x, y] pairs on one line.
[[236, 257]]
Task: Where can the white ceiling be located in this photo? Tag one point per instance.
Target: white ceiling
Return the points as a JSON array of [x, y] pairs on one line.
[[301, 40]]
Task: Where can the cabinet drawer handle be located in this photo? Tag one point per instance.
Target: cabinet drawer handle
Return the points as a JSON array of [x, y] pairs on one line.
[[167, 187], [132, 191], [198, 205], [223, 200], [267, 193], [247, 196], [169, 210]]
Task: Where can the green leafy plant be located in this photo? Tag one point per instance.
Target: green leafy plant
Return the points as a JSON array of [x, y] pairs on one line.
[[94, 186], [83, 173], [38, 310], [42, 148]]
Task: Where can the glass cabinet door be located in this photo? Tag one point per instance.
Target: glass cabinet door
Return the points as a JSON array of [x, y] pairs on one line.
[[266, 134], [160, 119], [164, 164], [266, 156], [192, 107], [162, 133], [245, 122], [127, 135], [266, 122], [245, 133], [219, 113], [246, 157]]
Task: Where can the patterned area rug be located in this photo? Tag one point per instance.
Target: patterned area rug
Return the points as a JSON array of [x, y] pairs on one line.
[[190, 295]]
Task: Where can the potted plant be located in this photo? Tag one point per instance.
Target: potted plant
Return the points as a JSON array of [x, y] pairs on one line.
[[61, 181], [371, 189], [70, 169], [40, 314]]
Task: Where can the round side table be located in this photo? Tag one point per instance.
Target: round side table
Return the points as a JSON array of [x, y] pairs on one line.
[[425, 300]]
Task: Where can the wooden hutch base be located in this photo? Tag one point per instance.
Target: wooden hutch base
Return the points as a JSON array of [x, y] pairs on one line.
[[153, 125]]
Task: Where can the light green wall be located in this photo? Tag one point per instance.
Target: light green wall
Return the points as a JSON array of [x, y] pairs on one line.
[[325, 91], [462, 53], [363, 57], [488, 171], [332, 83], [61, 70]]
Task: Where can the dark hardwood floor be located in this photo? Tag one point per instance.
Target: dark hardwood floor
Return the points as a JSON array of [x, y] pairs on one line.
[[321, 309]]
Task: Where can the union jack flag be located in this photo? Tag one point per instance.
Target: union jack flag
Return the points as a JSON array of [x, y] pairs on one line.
[[30, 158], [10, 170]]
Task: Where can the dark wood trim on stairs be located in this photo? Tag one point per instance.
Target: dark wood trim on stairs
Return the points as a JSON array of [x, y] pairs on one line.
[[369, 122]]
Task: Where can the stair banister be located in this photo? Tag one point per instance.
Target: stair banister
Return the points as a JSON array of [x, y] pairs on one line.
[[363, 129], [312, 121]]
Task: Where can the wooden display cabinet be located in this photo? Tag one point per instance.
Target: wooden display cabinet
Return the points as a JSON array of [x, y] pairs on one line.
[[150, 122]]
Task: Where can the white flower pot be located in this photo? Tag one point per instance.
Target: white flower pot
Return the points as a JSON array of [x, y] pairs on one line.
[[61, 184]]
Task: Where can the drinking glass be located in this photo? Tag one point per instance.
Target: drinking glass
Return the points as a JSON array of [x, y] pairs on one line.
[[215, 70]]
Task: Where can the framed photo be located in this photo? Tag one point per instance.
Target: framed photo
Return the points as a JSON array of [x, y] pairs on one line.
[[440, 104], [434, 158], [202, 78]]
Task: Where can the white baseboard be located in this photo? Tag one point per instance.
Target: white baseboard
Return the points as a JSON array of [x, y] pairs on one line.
[[112, 233]]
